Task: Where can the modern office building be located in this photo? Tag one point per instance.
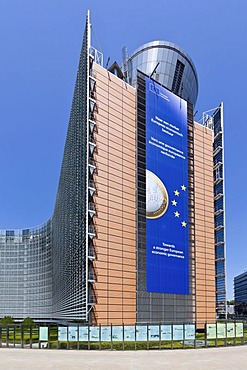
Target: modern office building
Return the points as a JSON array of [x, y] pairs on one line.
[[240, 294], [137, 233]]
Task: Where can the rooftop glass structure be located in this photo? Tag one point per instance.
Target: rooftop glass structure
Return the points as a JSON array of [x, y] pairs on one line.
[[168, 64]]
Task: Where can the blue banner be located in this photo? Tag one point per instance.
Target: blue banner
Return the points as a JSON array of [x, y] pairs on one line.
[[167, 260]]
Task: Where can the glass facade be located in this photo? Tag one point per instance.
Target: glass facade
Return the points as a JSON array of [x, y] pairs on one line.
[[69, 218], [213, 119], [240, 294], [44, 270], [219, 209], [26, 272]]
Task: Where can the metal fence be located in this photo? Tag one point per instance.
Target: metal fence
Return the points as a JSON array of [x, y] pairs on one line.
[[123, 337]]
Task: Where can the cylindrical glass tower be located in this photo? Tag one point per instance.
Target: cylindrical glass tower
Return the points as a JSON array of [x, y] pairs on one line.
[[168, 64]]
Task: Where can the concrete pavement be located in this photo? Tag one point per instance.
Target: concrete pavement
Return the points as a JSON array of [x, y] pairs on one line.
[[230, 358]]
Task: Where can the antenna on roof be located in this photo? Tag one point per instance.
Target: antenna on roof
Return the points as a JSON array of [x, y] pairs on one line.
[[96, 40], [125, 58], [107, 63], [154, 71]]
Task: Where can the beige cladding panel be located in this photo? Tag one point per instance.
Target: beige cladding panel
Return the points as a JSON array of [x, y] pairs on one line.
[[116, 219], [204, 224]]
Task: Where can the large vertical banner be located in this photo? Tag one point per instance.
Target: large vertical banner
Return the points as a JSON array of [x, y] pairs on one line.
[[167, 260]]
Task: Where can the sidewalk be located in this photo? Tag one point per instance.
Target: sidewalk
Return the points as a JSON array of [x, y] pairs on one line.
[[233, 358]]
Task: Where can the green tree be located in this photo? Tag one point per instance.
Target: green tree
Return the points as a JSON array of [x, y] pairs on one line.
[[28, 321], [7, 320]]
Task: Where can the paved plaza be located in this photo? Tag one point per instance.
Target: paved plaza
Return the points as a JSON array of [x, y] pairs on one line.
[[234, 358]]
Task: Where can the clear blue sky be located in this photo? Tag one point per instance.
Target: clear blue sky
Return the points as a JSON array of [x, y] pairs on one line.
[[39, 52]]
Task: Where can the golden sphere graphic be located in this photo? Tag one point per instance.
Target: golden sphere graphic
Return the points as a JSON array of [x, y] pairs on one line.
[[156, 196]]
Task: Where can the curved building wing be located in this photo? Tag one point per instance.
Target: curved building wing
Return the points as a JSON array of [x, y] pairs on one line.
[[26, 272]]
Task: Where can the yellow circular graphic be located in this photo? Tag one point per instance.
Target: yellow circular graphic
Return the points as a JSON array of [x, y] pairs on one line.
[[156, 196]]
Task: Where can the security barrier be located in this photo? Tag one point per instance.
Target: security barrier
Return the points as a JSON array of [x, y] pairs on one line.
[[123, 337]]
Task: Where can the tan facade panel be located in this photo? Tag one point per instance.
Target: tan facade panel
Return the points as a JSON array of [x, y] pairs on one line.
[[116, 215], [204, 225]]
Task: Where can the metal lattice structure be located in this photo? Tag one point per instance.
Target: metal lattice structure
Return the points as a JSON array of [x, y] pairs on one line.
[[213, 119], [70, 214]]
